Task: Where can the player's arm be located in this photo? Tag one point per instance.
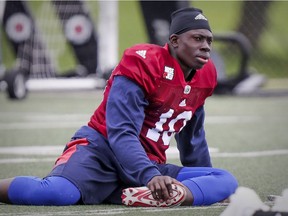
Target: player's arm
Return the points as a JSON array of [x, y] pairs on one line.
[[125, 116], [191, 142]]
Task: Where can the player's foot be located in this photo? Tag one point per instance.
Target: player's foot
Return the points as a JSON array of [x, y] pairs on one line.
[[141, 196]]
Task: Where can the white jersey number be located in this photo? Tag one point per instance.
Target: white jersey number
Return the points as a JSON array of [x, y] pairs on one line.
[[155, 133]]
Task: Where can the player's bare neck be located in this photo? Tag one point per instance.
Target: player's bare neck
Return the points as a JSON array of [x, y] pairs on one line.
[[187, 72], [190, 75]]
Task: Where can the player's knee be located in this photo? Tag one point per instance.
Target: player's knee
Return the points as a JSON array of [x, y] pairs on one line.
[[229, 181], [50, 191], [60, 198], [61, 192]]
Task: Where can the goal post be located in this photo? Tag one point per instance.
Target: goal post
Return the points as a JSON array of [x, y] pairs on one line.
[[108, 35], [88, 68]]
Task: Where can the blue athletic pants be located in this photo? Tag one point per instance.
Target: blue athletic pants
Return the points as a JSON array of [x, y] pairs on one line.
[[208, 185]]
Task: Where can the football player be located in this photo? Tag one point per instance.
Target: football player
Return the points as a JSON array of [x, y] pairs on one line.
[[153, 94]]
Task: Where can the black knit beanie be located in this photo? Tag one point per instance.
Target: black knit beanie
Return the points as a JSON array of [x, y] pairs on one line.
[[186, 19]]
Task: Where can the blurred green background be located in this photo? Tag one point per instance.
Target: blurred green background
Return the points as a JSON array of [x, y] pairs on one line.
[[269, 58], [260, 123]]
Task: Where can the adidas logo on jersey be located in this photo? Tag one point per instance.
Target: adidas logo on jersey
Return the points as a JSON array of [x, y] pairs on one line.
[[168, 73], [142, 53], [182, 103], [200, 17]]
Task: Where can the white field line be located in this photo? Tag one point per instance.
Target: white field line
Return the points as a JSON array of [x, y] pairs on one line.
[[251, 154], [41, 125], [50, 153], [43, 116], [26, 160], [172, 153], [44, 121], [32, 150], [113, 211]]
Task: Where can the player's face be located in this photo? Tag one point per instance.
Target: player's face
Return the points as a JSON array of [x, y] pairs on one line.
[[193, 48]]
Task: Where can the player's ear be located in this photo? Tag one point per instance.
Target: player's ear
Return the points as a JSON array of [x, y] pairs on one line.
[[174, 40]]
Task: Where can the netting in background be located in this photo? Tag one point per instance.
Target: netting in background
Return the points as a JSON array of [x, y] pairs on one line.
[[270, 49], [51, 38], [263, 23], [51, 32], [27, 43]]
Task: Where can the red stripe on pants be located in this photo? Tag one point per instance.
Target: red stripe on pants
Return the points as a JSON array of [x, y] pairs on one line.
[[70, 150]]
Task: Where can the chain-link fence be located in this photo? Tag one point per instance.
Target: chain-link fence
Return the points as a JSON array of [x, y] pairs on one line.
[[262, 22], [264, 25]]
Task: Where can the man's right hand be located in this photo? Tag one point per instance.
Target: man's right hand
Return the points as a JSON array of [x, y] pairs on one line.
[[161, 187]]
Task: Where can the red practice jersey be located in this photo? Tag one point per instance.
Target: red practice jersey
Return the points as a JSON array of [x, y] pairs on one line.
[[172, 100]]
